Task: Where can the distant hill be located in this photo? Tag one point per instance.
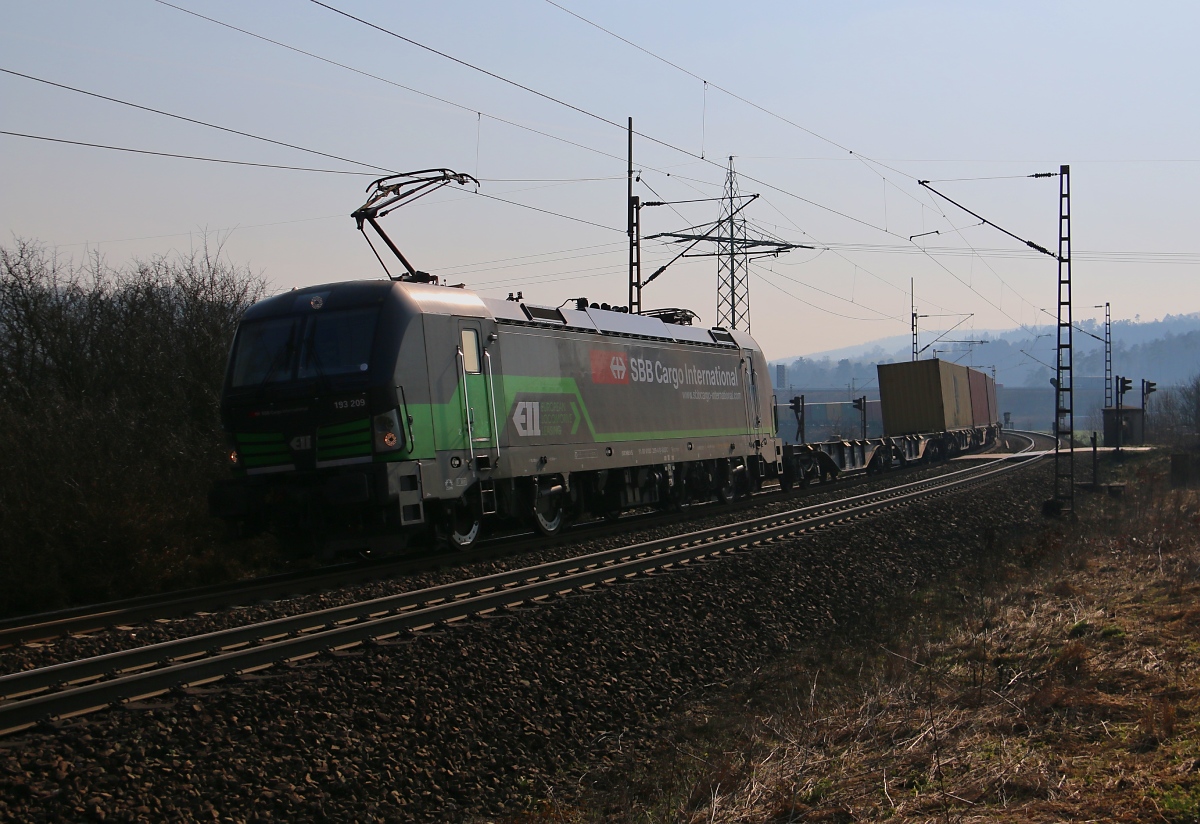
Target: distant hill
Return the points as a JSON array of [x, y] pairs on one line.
[[1166, 351]]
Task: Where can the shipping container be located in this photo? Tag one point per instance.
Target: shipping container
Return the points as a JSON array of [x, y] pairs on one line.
[[924, 396], [980, 411]]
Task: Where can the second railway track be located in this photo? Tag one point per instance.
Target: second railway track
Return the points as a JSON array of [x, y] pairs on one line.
[[71, 688], [90, 618]]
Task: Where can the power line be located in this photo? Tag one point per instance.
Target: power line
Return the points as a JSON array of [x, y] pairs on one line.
[[291, 168], [266, 140], [985, 299], [547, 179], [1028, 243], [468, 65], [862, 158], [514, 83], [300, 148], [1003, 283], [882, 315], [609, 246], [695, 76], [363, 73], [186, 157], [1183, 258], [707, 83], [548, 212], [998, 177], [544, 96], [206, 231], [593, 115], [807, 303], [550, 277], [834, 249], [195, 121]]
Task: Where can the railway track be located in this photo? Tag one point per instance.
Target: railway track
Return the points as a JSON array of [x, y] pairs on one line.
[[73, 688], [97, 617]]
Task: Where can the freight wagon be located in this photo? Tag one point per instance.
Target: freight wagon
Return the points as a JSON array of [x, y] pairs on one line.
[[930, 410], [938, 406]]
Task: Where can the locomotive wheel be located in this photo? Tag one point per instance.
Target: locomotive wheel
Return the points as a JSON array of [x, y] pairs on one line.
[[464, 525], [726, 489], [548, 515]]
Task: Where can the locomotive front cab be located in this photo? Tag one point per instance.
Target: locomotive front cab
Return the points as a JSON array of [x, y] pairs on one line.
[[315, 406]]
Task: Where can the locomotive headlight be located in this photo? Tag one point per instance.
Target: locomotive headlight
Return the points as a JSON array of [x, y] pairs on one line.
[[388, 436]]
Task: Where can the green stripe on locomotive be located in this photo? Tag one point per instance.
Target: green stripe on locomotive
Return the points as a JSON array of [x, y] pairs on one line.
[[344, 440], [442, 427]]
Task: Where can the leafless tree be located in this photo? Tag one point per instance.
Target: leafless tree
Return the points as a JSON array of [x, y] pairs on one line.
[[109, 425]]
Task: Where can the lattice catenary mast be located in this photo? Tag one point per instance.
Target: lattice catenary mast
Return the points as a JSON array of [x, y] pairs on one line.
[[1064, 384], [733, 262]]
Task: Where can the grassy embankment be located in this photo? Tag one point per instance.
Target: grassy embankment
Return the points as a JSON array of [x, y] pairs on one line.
[[1057, 679]]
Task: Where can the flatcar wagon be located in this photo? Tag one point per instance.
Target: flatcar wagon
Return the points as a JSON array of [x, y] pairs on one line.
[[931, 410], [362, 414], [939, 405]]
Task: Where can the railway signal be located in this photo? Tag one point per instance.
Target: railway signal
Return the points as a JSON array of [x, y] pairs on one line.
[[1148, 388], [798, 410], [1123, 385], [861, 405]]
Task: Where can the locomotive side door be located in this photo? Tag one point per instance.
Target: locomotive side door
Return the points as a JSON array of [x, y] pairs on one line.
[[753, 409], [476, 391]]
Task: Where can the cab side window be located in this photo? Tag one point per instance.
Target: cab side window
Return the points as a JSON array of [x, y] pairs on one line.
[[470, 350]]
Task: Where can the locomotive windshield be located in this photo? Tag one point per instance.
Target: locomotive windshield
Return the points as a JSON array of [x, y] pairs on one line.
[[303, 347]]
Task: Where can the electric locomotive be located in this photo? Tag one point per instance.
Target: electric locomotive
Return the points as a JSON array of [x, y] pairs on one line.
[[363, 414]]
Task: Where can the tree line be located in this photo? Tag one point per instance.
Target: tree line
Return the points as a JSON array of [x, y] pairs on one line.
[[109, 424]]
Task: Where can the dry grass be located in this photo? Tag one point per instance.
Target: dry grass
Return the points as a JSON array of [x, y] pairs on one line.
[[1057, 681]]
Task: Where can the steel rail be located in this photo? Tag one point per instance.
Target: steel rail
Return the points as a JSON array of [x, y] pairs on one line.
[[148, 671], [125, 660], [96, 617], [88, 618], [44, 626]]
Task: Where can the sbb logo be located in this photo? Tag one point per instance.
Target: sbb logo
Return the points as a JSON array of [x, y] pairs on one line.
[[617, 367], [609, 366]]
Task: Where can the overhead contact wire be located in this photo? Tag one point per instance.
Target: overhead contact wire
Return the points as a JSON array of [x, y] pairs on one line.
[[695, 76], [593, 115], [195, 121], [808, 303], [363, 73], [862, 158], [186, 157], [882, 315]]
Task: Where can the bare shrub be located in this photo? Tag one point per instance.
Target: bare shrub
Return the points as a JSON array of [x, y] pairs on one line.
[[1173, 414], [109, 423]]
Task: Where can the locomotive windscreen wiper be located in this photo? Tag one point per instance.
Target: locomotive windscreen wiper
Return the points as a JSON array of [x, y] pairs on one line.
[[283, 356], [392, 192], [309, 354], [262, 349]]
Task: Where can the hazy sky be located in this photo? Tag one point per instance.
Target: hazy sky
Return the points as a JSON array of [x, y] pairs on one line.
[[878, 95]]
